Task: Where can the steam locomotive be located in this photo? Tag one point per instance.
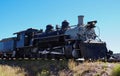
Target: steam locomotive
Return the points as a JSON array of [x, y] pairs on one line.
[[79, 41]]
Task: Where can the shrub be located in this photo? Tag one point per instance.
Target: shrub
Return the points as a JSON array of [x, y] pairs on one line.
[[116, 71], [43, 73]]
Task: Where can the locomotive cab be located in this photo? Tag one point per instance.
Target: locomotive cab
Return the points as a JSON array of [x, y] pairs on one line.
[[24, 38]]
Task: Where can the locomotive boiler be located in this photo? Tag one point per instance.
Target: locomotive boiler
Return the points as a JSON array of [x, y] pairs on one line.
[[79, 41]]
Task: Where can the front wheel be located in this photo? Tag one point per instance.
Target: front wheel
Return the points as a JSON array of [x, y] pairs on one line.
[[76, 53]]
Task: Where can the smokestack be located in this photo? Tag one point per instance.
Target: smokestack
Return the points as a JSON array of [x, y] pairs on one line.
[[80, 20]]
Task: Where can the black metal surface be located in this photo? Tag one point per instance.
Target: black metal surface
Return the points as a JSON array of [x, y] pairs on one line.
[[50, 41], [93, 50]]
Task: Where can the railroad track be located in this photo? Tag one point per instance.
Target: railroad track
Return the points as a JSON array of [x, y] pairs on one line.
[[76, 60]]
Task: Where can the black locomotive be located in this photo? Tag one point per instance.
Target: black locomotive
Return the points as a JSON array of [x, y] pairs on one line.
[[79, 41]]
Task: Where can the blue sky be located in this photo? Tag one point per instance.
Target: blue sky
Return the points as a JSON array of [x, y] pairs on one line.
[[17, 15]]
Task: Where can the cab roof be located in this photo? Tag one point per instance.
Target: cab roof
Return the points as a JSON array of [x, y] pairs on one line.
[[29, 29]]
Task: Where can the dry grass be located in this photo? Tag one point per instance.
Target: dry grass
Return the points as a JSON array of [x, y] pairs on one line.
[[55, 68], [92, 68], [6, 70], [32, 67]]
